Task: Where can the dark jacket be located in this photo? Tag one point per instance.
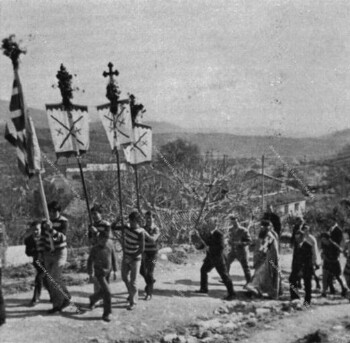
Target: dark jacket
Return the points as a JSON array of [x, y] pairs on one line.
[[102, 260], [302, 257], [31, 246], [336, 234], [215, 242], [275, 220]]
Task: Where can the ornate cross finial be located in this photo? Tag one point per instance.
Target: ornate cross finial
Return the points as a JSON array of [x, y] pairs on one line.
[[65, 86], [113, 91], [12, 50], [110, 73]]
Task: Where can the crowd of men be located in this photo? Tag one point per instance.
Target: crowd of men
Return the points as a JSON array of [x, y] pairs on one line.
[[46, 243]]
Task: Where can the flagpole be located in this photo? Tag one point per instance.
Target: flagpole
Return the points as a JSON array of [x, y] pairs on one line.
[[137, 187], [113, 96], [119, 187], [65, 80], [78, 157]]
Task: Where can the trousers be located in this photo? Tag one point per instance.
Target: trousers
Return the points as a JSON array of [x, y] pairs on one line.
[[130, 271], [54, 263], [148, 264], [242, 255], [104, 293], [2, 302], [39, 281], [219, 263], [293, 284]]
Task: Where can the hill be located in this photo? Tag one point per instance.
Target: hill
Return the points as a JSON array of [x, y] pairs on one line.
[[232, 145]]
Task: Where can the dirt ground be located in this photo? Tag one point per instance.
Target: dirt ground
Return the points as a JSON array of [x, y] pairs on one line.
[[174, 305]]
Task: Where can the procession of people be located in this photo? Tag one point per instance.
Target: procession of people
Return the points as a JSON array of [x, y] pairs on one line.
[[46, 242]]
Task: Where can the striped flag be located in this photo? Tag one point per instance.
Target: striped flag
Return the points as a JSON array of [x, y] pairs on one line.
[[20, 132]]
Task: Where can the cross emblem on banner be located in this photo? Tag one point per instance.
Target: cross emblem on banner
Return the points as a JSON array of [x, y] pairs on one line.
[[140, 143], [71, 131], [117, 122]]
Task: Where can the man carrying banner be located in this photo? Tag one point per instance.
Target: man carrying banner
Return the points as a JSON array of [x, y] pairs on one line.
[[55, 259], [134, 246]]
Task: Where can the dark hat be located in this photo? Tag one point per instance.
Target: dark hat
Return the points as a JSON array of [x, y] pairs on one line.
[[104, 234], [300, 232], [265, 222], [97, 208], [54, 206], [135, 215]]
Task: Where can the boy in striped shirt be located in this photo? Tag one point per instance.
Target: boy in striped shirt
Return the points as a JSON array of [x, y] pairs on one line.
[[133, 248], [149, 258], [53, 252]]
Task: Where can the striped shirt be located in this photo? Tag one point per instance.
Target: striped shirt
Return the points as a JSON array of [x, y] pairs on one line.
[[151, 246], [132, 240], [59, 226]]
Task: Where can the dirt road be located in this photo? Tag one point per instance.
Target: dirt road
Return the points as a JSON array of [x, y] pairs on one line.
[[174, 305]]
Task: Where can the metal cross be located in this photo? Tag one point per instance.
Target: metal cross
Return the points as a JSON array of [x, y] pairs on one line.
[[110, 73]]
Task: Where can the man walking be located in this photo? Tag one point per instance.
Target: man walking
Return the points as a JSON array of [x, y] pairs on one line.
[[99, 226], [133, 248], [54, 255], [102, 260], [215, 258], [149, 258], [302, 266], [32, 242], [239, 241]]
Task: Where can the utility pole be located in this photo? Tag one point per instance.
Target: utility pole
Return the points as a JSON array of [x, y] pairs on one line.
[[263, 183]]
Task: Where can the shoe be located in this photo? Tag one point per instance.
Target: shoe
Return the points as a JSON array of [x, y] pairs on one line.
[[344, 293], [79, 310], [131, 307], [65, 304], [106, 318], [323, 295], [148, 297], [200, 291], [230, 297], [32, 303], [54, 310]]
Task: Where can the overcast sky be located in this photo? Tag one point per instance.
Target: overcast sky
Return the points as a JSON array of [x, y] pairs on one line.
[[282, 65]]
